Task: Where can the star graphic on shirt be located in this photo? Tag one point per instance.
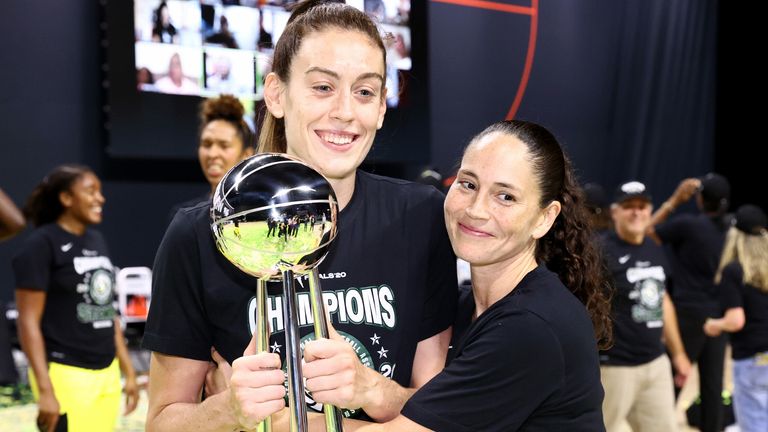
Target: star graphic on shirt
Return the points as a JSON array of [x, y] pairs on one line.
[[375, 339], [382, 353], [275, 347]]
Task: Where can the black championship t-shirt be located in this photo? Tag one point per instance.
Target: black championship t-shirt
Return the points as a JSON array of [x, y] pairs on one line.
[[753, 338], [388, 283], [696, 242], [528, 363], [78, 278], [640, 275]]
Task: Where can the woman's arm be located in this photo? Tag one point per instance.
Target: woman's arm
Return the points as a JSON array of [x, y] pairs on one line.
[[731, 322], [255, 391], [131, 387], [674, 342], [11, 219], [31, 304], [335, 375]]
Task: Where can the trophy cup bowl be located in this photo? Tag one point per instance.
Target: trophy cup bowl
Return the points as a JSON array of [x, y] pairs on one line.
[[273, 216], [262, 211]]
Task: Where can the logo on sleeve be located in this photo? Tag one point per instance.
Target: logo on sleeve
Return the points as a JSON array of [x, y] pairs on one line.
[[624, 259]]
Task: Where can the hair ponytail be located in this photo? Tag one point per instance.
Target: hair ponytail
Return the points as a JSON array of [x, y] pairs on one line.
[[569, 250], [43, 205]]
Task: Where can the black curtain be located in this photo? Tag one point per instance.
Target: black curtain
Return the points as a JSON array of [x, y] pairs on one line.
[[627, 86], [663, 122]]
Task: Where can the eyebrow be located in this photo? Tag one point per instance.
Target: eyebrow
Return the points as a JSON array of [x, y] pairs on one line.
[[502, 184], [335, 75]]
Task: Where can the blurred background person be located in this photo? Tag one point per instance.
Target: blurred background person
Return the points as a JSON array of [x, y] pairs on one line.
[[11, 223], [175, 81], [225, 139], [163, 30], [11, 219], [696, 242], [144, 78], [223, 37], [742, 279], [636, 372], [598, 208], [67, 323]]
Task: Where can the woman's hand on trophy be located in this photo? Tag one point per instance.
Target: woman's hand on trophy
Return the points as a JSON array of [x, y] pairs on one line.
[[335, 375], [218, 375], [256, 386]]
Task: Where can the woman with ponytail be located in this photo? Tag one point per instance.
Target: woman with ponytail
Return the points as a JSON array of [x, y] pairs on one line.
[[525, 341], [65, 293], [742, 279]]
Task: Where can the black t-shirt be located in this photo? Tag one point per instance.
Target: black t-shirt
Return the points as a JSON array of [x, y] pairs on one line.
[[78, 278], [388, 282], [753, 338], [696, 242], [640, 274], [528, 363], [205, 198]]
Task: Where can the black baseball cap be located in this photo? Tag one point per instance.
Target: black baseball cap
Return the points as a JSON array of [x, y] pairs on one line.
[[630, 190], [750, 219], [594, 196], [715, 188]]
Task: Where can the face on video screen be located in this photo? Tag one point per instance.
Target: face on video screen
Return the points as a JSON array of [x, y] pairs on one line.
[[205, 48]]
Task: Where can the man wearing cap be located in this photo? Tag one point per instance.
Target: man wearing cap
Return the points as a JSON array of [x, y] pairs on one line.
[[743, 287], [696, 241], [636, 372]]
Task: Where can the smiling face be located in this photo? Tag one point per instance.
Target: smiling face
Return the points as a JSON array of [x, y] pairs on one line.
[[220, 149], [631, 219], [492, 211], [83, 202], [334, 101]]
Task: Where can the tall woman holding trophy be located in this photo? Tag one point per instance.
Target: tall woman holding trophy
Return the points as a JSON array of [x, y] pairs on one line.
[[390, 271]]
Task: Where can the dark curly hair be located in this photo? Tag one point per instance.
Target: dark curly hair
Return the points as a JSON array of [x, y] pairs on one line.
[[568, 249], [309, 17], [229, 109], [43, 205]]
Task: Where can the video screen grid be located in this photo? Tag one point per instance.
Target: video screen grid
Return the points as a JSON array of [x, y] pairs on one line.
[[205, 48]]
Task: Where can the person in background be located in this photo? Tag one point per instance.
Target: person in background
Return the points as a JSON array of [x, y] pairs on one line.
[[67, 323], [174, 81], [225, 140], [636, 372], [163, 30], [11, 223], [598, 206], [11, 219], [696, 242], [742, 279], [326, 100]]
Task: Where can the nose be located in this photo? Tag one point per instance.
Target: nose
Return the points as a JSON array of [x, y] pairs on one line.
[[342, 108], [212, 151], [100, 198], [477, 208]]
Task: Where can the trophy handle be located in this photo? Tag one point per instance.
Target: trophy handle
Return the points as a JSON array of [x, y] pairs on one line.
[[332, 413], [296, 399], [262, 336]]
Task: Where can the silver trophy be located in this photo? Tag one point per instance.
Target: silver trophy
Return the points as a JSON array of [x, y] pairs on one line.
[[274, 217]]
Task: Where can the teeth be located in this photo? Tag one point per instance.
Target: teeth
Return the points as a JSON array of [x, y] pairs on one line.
[[338, 139]]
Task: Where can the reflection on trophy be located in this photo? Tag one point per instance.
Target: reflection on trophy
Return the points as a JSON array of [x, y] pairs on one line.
[[260, 220]]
